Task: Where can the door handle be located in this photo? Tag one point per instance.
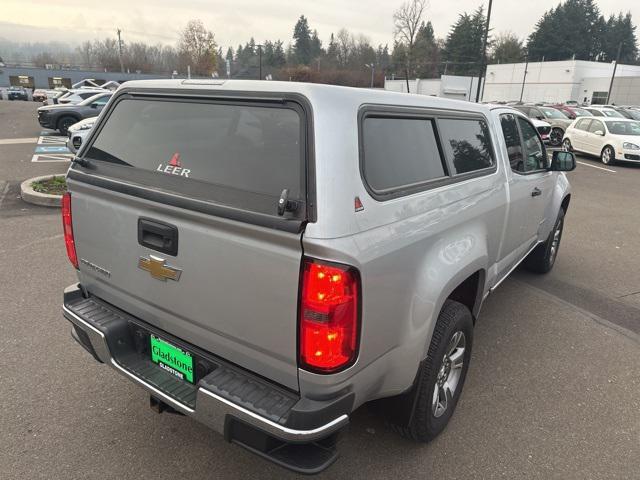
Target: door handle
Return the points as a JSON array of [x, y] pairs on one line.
[[536, 192], [158, 236]]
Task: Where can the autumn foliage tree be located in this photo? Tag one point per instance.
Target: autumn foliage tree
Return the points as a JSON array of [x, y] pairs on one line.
[[197, 48]]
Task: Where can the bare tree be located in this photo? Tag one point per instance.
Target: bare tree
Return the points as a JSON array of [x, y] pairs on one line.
[[197, 48], [406, 22], [86, 53], [346, 46]]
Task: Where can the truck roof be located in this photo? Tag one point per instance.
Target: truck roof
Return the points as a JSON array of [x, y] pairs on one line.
[[313, 91]]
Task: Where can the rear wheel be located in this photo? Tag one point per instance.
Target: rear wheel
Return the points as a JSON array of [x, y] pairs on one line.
[[442, 374], [543, 257], [64, 123], [566, 145], [555, 137], [608, 155]]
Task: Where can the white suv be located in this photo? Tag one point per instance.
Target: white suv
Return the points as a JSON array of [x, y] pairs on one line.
[[78, 95]]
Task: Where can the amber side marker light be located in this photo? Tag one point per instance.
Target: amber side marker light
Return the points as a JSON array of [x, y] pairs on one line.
[[329, 316]]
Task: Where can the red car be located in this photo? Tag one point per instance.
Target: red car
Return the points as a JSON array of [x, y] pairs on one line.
[[39, 95], [571, 111]]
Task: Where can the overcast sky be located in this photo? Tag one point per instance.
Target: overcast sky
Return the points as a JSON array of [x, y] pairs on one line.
[[235, 21]]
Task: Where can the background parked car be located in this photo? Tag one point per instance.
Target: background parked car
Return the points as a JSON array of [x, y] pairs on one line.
[[544, 129], [78, 133], [572, 111], [17, 93], [604, 112], [610, 139], [78, 95], [39, 95], [628, 113], [558, 120], [61, 117]]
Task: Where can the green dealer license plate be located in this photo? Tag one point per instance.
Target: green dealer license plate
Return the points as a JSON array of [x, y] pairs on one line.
[[172, 359]]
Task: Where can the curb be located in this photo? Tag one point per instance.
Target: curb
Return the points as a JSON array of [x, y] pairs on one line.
[[29, 195]]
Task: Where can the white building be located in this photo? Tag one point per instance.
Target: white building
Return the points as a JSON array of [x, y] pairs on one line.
[[578, 80], [449, 86]]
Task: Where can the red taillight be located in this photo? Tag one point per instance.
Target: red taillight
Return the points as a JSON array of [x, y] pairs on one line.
[[328, 316], [67, 227]]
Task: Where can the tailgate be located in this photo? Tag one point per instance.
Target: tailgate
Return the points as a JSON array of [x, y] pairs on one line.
[[203, 255]]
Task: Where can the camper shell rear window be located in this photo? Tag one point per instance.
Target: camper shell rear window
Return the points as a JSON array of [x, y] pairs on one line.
[[235, 153]]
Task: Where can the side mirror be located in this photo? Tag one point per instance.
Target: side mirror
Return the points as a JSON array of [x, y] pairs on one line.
[[562, 161], [94, 105], [540, 117], [599, 132]]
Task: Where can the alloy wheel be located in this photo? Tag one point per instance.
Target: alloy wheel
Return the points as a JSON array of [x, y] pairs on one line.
[[555, 243], [555, 137], [449, 374]]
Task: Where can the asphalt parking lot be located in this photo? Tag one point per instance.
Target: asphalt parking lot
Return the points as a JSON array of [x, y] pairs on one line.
[[553, 389]]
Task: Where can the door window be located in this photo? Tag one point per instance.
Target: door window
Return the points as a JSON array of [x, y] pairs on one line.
[[535, 157], [535, 113], [466, 143], [102, 101], [596, 125], [583, 124], [400, 153], [512, 140]]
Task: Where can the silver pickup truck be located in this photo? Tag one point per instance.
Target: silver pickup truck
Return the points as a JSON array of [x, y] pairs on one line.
[[266, 257]]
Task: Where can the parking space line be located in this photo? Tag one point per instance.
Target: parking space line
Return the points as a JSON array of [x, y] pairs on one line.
[[4, 192], [51, 140], [595, 166], [50, 158], [15, 141]]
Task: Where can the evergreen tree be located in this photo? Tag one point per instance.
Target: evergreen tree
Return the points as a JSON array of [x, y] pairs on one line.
[[619, 30], [302, 47], [426, 53], [399, 59], [331, 57], [573, 28], [316, 46], [463, 47], [383, 59], [279, 58]]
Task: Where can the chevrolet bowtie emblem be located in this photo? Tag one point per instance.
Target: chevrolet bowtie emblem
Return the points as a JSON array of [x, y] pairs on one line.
[[159, 269]]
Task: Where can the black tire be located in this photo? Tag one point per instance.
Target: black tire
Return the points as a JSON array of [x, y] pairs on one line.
[[543, 257], [424, 425], [610, 158], [64, 123], [566, 145], [555, 137]]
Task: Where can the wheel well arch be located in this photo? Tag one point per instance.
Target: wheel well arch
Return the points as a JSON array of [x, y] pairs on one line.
[[469, 292], [66, 115], [565, 203], [610, 146]]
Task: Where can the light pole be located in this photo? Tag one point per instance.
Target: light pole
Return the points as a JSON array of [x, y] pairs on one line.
[[613, 76], [120, 51], [373, 69], [524, 77], [484, 52], [259, 62]]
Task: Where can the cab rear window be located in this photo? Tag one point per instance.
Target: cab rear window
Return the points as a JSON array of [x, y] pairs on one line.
[[247, 151]]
